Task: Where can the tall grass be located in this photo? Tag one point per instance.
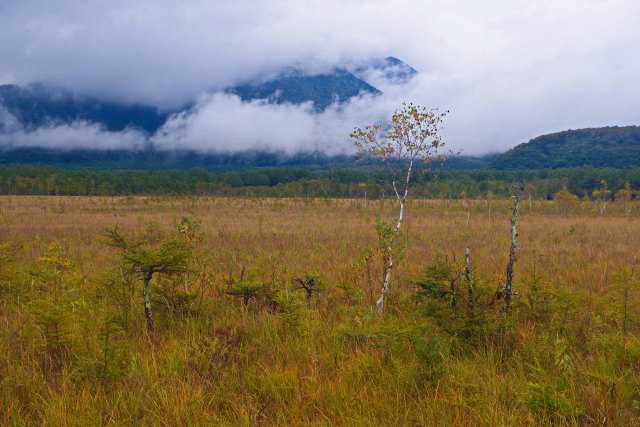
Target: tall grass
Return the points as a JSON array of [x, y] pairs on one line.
[[560, 356]]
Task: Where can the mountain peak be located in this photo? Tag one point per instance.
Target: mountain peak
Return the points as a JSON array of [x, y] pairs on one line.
[[29, 108], [295, 86], [391, 69]]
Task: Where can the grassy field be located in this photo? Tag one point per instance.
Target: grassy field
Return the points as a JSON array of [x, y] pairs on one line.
[[74, 347]]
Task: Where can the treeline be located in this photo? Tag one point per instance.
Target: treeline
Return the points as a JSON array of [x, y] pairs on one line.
[[301, 182], [151, 159]]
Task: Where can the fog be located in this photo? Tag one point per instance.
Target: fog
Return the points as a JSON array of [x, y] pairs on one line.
[[508, 71], [77, 135]]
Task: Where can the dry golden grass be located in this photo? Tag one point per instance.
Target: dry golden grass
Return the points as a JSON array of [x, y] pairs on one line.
[[329, 363], [323, 235]]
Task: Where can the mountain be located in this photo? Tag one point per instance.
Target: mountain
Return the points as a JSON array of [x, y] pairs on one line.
[[392, 69], [28, 108], [611, 147], [36, 106], [295, 87]]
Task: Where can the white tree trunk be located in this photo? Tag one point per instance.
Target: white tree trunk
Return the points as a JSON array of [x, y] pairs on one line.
[[387, 278]]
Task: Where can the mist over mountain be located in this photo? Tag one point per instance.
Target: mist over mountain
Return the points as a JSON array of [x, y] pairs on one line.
[[608, 147], [297, 110], [507, 71], [300, 115], [390, 69], [295, 87], [36, 106]]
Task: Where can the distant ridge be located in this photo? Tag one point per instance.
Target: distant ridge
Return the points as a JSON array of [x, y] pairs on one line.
[[29, 108], [37, 106], [608, 147], [295, 86]]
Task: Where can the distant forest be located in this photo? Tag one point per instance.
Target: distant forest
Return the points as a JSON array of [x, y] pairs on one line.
[[301, 182], [612, 147]]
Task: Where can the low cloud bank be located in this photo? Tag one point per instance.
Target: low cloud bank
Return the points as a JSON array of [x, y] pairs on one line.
[[508, 71], [77, 135], [221, 122]]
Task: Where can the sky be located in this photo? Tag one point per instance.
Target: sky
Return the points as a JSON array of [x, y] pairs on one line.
[[507, 71]]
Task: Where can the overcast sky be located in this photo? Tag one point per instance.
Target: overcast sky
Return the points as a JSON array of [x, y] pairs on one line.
[[507, 70]]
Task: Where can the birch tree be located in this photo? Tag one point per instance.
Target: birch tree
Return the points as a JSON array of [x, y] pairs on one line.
[[508, 292], [626, 195], [602, 194], [413, 136]]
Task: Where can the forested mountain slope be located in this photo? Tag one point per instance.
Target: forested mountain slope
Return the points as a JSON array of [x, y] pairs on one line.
[[611, 147]]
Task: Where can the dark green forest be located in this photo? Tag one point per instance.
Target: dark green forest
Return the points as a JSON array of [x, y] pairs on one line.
[[302, 182], [612, 147], [150, 159]]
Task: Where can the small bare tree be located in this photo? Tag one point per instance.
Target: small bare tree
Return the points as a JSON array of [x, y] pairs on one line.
[[413, 136], [309, 285], [508, 292]]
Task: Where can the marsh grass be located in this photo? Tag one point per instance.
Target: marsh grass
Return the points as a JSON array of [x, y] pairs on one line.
[[559, 356]]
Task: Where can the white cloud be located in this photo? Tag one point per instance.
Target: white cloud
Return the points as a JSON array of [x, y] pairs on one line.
[[507, 70], [222, 122], [75, 135]]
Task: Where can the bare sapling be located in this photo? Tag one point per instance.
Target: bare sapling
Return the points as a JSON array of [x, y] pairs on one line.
[[309, 285], [508, 292], [468, 275], [413, 136]]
